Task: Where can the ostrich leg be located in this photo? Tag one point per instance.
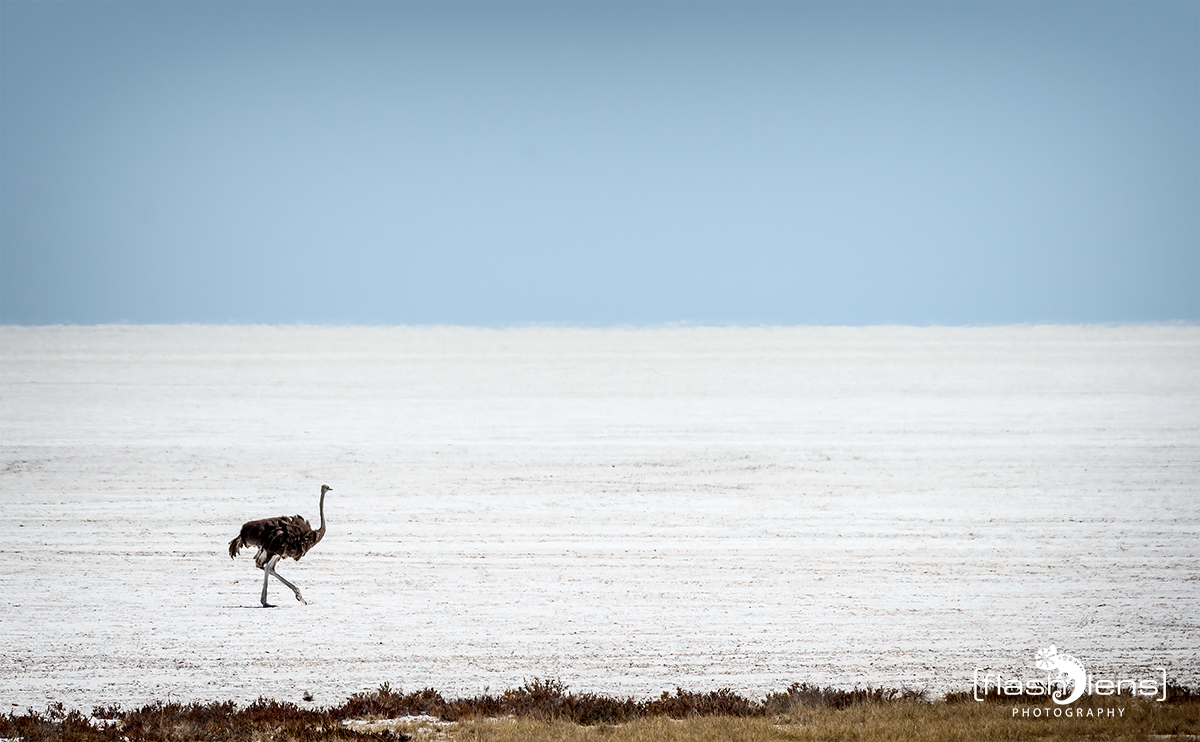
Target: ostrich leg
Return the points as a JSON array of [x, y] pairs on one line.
[[270, 567], [266, 576]]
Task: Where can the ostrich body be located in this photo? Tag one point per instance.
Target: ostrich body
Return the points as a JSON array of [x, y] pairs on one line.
[[276, 538]]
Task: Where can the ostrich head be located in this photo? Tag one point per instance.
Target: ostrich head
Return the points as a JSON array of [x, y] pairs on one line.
[[326, 488]]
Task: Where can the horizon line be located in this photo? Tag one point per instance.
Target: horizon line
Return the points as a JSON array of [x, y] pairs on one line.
[[674, 325]]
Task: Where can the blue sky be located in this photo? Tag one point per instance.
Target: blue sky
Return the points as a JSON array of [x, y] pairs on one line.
[[613, 163]]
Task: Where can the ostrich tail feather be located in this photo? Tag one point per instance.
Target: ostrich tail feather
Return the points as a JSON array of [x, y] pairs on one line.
[[234, 546]]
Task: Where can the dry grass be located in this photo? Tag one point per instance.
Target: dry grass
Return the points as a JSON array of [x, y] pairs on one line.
[[904, 721], [542, 711], [901, 721]]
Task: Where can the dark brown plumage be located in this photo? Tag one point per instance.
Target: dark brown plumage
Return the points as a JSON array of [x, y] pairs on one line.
[[285, 536], [288, 535]]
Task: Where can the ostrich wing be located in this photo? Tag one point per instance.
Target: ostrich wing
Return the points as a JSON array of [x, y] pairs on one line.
[[289, 535]]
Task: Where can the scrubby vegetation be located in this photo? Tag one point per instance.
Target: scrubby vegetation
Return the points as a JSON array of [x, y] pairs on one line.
[[547, 709]]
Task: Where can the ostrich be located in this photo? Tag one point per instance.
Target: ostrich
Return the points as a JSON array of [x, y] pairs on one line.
[[285, 536]]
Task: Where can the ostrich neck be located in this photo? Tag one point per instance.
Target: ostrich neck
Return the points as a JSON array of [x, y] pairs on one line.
[[321, 507]]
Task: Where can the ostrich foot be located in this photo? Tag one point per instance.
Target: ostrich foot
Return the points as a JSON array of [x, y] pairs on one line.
[[268, 605], [300, 598]]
